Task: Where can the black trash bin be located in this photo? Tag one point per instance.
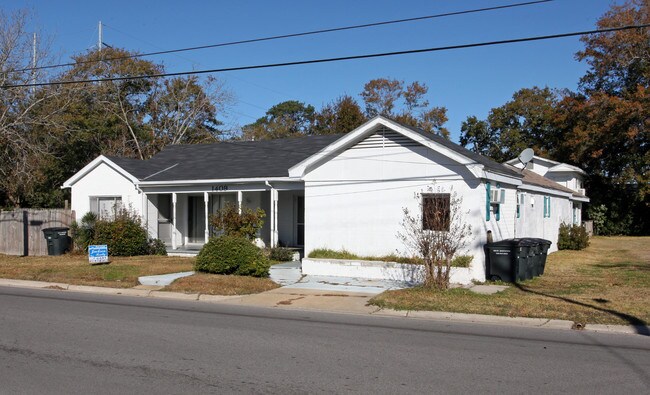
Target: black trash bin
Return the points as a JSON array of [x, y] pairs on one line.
[[544, 245], [504, 260], [57, 240], [534, 256]]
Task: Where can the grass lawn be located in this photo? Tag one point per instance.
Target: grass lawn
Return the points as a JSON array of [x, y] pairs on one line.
[[122, 272], [216, 284], [607, 283]]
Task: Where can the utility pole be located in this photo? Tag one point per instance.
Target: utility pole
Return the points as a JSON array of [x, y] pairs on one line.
[[34, 62], [100, 38]]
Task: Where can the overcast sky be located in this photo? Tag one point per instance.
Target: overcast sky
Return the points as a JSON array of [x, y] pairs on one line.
[[467, 82]]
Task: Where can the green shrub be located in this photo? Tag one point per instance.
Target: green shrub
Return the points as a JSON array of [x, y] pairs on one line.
[[83, 233], [124, 235], [157, 247], [234, 223], [228, 254], [281, 254], [326, 253], [462, 261], [572, 237]]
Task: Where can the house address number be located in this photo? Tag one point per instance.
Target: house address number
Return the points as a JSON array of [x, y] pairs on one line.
[[220, 188]]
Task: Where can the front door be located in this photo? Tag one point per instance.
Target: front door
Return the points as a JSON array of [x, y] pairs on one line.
[[300, 220], [165, 218], [196, 220]]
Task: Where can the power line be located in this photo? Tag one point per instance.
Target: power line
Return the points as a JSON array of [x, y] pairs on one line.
[[291, 35], [337, 59]]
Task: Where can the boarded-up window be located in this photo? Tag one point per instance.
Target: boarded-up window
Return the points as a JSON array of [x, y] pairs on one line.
[[436, 211]]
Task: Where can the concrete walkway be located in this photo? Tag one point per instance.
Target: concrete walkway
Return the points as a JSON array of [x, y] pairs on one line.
[[290, 276]]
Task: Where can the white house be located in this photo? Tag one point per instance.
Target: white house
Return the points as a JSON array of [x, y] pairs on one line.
[[337, 192], [568, 176]]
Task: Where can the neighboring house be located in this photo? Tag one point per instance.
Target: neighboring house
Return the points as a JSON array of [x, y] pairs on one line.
[[568, 176], [339, 192]]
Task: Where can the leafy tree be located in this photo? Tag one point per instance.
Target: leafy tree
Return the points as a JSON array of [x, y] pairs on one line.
[[619, 61], [287, 119], [131, 118], [382, 97], [529, 120], [478, 136], [184, 111], [340, 116], [120, 106], [603, 129], [22, 150]]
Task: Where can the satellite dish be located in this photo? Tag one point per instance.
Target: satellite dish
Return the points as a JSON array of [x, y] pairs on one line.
[[526, 156]]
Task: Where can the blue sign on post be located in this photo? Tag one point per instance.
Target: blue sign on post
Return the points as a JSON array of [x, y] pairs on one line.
[[98, 254]]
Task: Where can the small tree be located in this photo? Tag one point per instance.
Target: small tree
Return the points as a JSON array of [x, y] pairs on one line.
[[232, 222], [436, 234]]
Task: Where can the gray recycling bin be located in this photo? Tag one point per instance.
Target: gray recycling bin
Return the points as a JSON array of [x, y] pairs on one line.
[[57, 240], [513, 260]]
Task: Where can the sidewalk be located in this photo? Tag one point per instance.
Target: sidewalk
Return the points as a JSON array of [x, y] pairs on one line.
[[327, 301]]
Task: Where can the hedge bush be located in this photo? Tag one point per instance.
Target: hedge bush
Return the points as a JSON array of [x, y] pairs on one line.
[[572, 237], [83, 233], [281, 254], [228, 254], [157, 247], [234, 221], [124, 235]]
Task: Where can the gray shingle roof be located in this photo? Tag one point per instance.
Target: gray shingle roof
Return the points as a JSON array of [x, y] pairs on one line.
[[226, 160], [256, 159], [532, 178]]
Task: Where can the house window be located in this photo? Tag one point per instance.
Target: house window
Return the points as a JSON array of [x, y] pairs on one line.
[[436, 211], [547, 207], [520, 204], [105, 206]]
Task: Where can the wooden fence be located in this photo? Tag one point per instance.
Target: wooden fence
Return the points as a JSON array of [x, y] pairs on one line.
[[21, 230]]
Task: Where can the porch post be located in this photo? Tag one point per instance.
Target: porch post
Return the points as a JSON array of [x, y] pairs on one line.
[[145, 214], [239, 199], [174, 221], [274, 217], [206, 199]]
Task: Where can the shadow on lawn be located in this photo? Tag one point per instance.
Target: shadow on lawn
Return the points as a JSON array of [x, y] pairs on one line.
[[638, 324]]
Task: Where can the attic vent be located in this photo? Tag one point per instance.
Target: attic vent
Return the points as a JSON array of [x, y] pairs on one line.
[[384, 138]]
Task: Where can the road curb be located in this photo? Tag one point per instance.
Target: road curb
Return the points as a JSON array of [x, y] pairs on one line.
[[411, 314], [173, 295], [629, 329]]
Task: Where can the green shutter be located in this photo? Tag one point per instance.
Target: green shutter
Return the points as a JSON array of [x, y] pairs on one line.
[[547, 207], [487, 201], [518, 197], [497, 214]]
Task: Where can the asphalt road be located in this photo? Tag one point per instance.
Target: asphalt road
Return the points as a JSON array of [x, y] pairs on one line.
[[63, 342]]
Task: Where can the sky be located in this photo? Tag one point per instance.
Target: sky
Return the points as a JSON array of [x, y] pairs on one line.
[[467, 82]]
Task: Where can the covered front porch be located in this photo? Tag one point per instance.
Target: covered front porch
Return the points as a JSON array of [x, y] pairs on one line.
[[179, 215]]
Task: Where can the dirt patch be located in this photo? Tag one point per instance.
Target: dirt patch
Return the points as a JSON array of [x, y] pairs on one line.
[[60, 288], [289, 301], [217, 284]]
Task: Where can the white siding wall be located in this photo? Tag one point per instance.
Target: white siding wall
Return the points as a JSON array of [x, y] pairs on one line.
[[355, 200], [104, 181], [532, 223], [152, 215]]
